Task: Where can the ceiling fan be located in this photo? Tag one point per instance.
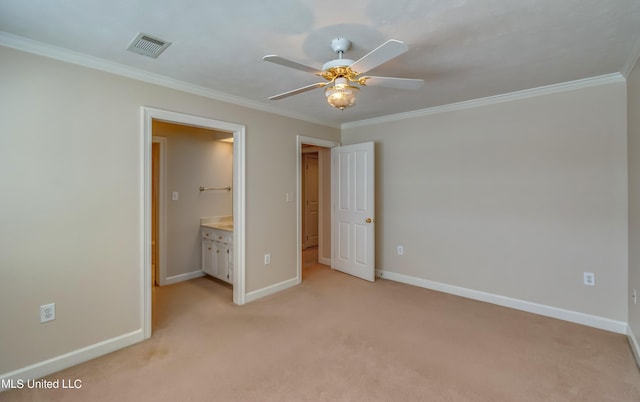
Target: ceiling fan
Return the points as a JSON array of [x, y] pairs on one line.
[[345, 76]]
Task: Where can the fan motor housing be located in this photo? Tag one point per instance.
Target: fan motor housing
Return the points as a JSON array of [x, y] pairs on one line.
[[337, 63]]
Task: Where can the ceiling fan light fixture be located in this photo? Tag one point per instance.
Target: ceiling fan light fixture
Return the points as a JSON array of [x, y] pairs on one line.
[[345, 76], [341, 95]]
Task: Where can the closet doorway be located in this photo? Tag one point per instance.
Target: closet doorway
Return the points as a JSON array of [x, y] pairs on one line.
[[314, 202]]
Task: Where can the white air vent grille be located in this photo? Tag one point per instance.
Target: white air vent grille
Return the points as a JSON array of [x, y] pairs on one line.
[[148, 45]]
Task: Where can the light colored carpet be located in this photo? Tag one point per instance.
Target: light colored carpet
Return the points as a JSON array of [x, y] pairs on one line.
[[337, 338]]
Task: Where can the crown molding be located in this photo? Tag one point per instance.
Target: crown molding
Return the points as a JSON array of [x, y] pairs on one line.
[[69, 56], [632, 60], [96, 63], [524, 94]]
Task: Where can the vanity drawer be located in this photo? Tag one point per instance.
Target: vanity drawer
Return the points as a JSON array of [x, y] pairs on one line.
[[208, 233], [222, 236]]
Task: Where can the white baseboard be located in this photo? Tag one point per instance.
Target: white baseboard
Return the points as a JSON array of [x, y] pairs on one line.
[[67, 360], [619, 327], [325, 261], [269, 290], [170, 280], [633, 341]]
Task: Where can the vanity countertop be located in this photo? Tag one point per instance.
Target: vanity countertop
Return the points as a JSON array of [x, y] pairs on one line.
[[218, 222], [228, 226]]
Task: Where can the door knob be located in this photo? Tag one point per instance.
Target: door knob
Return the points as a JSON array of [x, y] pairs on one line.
[[369, 220]]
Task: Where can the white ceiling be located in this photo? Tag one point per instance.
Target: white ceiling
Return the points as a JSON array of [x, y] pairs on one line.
[[463, 49]]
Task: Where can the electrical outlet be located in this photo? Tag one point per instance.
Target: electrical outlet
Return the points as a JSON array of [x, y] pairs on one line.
[[267, 259], [175, 196], [400, 250], [590, 279], [634, 296], [47, 312]]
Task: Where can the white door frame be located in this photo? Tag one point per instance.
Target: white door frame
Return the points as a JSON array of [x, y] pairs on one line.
[[320, 143], [239, 201]]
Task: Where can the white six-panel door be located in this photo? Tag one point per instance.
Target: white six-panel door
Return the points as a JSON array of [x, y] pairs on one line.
[[352, 201]]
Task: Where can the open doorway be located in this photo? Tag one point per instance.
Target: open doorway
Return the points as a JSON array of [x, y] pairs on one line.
[[310, 203], [238, 199], [184, 158], [186, 161], [314, 201]]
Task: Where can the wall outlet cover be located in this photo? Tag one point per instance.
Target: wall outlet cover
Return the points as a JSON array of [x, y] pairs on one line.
[[47, 312], [589, 279]]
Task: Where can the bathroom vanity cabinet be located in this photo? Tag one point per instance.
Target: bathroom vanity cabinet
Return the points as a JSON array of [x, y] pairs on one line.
[[217, 252]]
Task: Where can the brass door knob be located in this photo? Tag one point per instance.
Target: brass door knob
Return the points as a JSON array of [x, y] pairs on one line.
[[369, 220]]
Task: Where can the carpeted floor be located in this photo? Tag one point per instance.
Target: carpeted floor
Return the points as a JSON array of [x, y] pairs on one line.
[[338, 338]]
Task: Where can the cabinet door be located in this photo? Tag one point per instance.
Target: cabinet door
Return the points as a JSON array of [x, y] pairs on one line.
[[222, 261], [230, 262], [208, 259]]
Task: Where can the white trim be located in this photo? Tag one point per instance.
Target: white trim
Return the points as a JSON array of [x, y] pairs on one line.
[[632, 60], [508, 97], [635, 347], [78, 356], [162, 212], [300, 139], [239, 195], [269, 290], [619, 327], [145, 223], [239, 201], [323, 260], [170, 280], [69, 56]]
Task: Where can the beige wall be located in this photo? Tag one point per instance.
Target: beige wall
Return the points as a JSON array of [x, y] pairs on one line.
[[516, 198], [194, 158], [633, 113], [70, 210]]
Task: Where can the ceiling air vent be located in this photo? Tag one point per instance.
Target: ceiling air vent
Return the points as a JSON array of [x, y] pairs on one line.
[[148, 45]]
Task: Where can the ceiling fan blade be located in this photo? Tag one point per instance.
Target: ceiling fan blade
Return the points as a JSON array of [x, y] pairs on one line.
[[272, 58], [383, 53], [392, 82], [298, 91]]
